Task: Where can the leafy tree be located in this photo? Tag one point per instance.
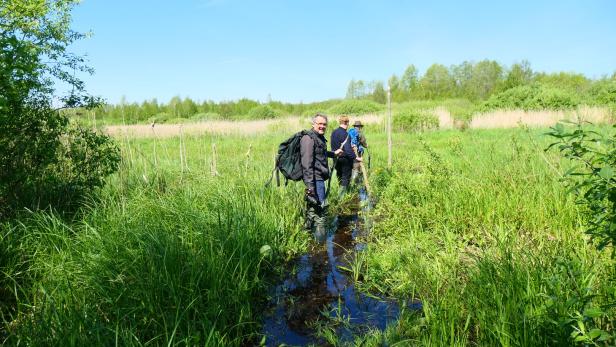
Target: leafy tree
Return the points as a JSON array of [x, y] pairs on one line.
[[188, 108], [379, 94], [350, 94], [149, 108], [394, 83], [44, 161], [486, 76], [409, 78], [173, 107], [463, 75], [437, 82], [356, 89], [518, 75], [573, 82]]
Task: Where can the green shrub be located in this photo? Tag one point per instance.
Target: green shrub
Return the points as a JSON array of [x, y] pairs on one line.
[[603, 93], [160, 118], [594, 179], [532, 97], [205, 116], [264, 112], [311, 112], [355, 106], [460, 108], [46, 162], [415, 120]]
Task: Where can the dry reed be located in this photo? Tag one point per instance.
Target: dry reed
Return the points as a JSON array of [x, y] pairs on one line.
[[222, 127], [513, 118]]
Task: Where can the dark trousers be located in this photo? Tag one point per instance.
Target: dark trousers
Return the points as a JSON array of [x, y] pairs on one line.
[[344, 168], [316, 215]]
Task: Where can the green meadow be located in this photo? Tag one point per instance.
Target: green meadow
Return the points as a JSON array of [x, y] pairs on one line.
[[476, 224]]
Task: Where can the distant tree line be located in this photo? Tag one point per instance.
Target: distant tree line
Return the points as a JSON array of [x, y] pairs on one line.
[[178, 109], [486, 84], [474, 81]]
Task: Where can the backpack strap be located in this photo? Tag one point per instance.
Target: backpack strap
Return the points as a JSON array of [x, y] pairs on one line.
[[274, 172], [329, 181]]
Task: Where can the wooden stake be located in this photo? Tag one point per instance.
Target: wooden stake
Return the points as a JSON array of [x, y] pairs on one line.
[[181, 151], [389, 126], [155, 140], [364, 172]]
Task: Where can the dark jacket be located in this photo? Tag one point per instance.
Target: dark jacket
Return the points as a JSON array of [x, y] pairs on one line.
[[337, 138], [314, 153]]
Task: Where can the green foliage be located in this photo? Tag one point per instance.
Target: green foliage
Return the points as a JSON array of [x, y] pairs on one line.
[[594, 179], [355, 107], [312, 111], [356, 89], [518, 75], [199, 117], [437, 82], [44, 162], [34, 36], [264, 112], [410, 120], [165, 256], [532, 97], [409, 79], [573, 82], [477, 81], [461, 109], [478, 227], [379, 95], [603, 93]]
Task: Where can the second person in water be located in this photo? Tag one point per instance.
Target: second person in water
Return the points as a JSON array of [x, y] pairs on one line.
[[344, 165]]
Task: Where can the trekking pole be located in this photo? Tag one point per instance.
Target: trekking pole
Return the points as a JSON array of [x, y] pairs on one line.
[[364, 172], [329, 181]]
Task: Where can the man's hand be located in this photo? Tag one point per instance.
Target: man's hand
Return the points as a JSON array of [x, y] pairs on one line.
[[338, 152], [311, 197], [360, 159]]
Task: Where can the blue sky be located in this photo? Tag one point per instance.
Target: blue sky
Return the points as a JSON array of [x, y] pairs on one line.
[[300, 50]]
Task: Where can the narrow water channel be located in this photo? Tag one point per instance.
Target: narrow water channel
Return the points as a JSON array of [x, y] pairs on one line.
[[317, 292]]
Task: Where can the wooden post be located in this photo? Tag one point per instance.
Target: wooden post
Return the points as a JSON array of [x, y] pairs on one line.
[[364, 173], [181, 150], [389, 126], [155, 140]]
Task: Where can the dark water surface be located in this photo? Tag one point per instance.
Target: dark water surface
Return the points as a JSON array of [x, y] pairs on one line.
[[319, 292]]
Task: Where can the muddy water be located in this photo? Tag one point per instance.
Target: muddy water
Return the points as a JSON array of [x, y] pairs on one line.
[[318, 292]]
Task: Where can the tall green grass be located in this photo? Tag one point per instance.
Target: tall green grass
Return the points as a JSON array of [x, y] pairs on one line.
[[167, 255], [479, 227], [476, 224]]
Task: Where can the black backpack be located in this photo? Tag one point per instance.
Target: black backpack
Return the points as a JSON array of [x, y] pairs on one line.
[[288, 160]]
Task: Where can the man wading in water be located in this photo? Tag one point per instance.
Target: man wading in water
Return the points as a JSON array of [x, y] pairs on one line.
[[344, 165], [315, 170]]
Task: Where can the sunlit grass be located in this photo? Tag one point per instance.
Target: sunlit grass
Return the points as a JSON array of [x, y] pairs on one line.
[[476, 224]]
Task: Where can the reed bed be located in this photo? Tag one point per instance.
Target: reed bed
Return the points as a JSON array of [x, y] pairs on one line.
[[545, 118]]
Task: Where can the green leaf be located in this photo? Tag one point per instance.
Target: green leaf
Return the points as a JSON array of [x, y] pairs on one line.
[[559, 128], [580, 338], [594, 333], [606, 172], [593, 312]]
